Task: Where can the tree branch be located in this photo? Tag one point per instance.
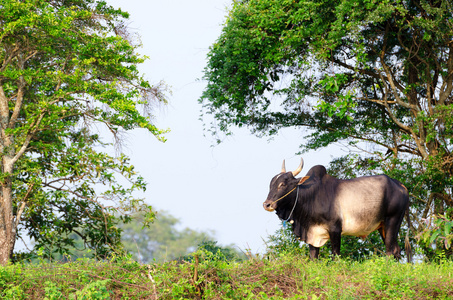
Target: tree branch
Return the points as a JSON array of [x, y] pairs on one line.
[[22, 207], [27, 140]]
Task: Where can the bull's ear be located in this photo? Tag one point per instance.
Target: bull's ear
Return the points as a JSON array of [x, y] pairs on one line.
[[303, 179]]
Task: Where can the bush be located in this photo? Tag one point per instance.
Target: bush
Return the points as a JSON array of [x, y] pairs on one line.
[[284, 242], [211, 277]]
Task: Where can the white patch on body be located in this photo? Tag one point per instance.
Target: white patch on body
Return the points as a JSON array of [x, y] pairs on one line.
[[359, 203], [317, 235]]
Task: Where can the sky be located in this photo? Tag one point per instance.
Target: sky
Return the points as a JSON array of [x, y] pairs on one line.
[[206, 186]]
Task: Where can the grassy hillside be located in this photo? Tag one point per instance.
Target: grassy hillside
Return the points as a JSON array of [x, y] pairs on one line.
[[208, 277]]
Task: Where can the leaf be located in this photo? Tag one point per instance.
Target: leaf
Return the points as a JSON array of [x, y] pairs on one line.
[[447, 228], [447, 243], [433, 237]]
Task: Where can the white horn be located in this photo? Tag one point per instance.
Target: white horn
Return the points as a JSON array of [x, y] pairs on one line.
[[283, 167], [299, 169]]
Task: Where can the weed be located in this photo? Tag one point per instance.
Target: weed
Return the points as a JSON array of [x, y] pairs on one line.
[[96, 290], [211, 276]]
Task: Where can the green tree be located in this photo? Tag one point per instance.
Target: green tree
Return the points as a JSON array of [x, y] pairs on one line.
[[373, 75], [162, 241], [68, 68]]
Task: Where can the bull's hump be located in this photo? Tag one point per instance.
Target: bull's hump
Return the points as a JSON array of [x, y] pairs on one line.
[[359, 203]]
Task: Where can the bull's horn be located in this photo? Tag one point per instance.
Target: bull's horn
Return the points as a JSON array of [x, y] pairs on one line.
[[299, 169], [283, 167]]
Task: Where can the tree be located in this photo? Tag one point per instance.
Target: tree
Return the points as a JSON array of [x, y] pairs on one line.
[[373, 75], [162, 241], [68, 68]]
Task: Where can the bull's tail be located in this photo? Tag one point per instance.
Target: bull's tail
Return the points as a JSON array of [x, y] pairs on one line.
[[407, 245]]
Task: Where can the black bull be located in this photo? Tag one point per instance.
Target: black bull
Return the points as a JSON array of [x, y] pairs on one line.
[[327, 207]]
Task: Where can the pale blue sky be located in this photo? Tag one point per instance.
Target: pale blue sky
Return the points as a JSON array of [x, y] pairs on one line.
[[220, 188]]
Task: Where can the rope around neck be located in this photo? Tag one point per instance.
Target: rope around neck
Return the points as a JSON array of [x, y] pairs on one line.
[[295, 202]]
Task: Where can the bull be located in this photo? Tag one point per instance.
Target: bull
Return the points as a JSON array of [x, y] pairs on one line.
[[321, 207]]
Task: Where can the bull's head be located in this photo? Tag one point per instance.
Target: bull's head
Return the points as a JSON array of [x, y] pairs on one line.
[[282, 186]]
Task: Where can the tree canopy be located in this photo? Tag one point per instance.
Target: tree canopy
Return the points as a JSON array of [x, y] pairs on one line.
[[163, 241], [68, 70], [376, 76]]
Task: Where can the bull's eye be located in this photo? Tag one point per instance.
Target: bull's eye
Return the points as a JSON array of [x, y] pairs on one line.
[[282, 184]]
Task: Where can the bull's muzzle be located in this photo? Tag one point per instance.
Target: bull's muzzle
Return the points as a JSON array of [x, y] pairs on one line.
[[269, 205]]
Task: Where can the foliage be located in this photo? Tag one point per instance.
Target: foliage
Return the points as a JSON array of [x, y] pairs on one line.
[[375, 76], [283, 242], [216, 252], [162, 241], [83, 279], [287, 276], [438, 234], [68, 72]]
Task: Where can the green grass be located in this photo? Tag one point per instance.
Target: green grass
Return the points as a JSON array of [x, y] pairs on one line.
[[207, 277]]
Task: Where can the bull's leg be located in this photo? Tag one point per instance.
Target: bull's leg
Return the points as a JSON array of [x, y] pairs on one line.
[[382, 231], [391, 229], [335, 241], [314, 252], [392, 247]]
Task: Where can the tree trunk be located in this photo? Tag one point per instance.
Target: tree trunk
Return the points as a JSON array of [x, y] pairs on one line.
[[7, 228], [7, 160]]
